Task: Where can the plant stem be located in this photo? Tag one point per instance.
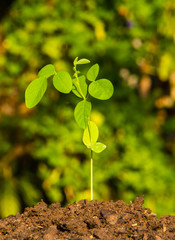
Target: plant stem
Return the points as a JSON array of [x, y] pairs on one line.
[[91, 175]]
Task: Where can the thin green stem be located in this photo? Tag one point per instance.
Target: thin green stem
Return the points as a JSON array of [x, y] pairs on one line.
[[91, 175]]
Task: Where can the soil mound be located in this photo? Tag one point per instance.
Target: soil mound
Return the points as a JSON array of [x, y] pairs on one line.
[[85, 220]]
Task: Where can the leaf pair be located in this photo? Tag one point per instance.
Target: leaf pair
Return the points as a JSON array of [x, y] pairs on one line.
[[36, 89], [101, 89], [90, 137]]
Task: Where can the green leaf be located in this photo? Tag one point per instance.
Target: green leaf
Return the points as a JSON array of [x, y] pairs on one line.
[[35, 91], [62, 81], [83, 61], [93, 72], [83, 86], [101, 89], [82, 112], [90, 134], [98, 147], [47, 71]]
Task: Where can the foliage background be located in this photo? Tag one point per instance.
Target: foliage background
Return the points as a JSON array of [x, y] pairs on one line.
[[41, 152]]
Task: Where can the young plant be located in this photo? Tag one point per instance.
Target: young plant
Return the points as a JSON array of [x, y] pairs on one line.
[[101, 89]]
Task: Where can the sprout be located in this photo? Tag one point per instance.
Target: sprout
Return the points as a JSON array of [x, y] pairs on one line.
[[100, 89]]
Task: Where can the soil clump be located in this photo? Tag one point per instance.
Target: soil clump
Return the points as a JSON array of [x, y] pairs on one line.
[[86, 220]]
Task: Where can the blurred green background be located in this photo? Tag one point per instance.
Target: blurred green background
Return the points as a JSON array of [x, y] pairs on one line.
[[41, 152]]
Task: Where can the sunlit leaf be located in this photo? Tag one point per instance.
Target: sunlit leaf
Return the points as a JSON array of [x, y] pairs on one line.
[[98, 147], [35, 92], [90, 134], [101, 89], [62, 81], [83, 86], [82, 113], [47, 71], [83, 61], [93, 72]]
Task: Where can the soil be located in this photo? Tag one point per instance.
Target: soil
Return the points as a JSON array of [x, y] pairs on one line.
[[86, 220]]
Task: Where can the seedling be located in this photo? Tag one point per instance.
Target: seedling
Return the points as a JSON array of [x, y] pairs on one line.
[[101, 89]]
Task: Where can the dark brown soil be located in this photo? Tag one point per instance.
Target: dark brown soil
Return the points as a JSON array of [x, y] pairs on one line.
[[87, 220]]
